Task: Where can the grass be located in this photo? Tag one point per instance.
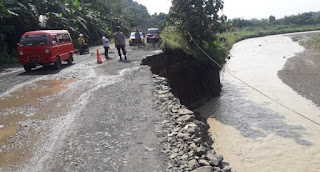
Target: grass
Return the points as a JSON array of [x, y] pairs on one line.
[[233, 37], [313, 43], [173, 40]]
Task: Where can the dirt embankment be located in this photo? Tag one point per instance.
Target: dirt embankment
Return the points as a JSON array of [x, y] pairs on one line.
[[191, 81], [302, 72]]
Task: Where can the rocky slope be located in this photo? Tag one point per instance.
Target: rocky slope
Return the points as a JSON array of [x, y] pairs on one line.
[[185, 136]]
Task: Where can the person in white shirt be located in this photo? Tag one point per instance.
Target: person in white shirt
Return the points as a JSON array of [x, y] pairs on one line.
[[105, 42]]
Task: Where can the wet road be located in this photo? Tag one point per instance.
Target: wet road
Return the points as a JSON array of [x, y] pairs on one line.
[[251, 131], [83, 117]]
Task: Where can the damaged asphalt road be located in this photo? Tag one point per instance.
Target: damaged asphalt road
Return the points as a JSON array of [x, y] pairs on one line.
[[84, 117]]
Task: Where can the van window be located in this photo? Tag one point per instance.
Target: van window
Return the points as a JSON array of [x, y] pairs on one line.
[[67, 38], [60, 37], [54, 40], [34, 40]]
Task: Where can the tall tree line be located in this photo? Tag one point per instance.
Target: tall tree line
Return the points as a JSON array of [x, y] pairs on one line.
[[309, 18]]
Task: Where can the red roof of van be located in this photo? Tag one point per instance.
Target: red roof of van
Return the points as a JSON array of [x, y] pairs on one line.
[[45, 32]]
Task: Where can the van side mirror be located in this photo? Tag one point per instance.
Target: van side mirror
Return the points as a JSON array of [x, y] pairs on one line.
[[54, 42]]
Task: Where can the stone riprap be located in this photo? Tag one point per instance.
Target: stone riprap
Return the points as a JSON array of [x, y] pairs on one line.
[[185, 137]]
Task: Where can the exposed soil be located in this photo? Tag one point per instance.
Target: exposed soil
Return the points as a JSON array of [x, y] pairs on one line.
[[191, 81], [302, 72]]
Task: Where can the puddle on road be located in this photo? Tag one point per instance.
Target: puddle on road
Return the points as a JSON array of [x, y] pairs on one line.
[[30, 95], [7, 132], [17, 107]]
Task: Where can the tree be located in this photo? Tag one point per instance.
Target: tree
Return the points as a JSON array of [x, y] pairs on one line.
[[272, 19], [201, 20], [198, 17], [158, 20]]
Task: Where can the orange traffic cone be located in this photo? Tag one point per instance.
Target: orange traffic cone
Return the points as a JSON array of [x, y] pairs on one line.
[[98, 57]]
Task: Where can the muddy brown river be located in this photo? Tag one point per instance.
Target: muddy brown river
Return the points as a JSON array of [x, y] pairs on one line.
[[253, 132]]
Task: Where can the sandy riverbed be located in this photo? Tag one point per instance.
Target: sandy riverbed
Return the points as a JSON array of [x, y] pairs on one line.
[[302, 72]]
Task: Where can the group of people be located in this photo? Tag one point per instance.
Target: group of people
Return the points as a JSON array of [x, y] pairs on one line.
[[119, 40], [120, 43]]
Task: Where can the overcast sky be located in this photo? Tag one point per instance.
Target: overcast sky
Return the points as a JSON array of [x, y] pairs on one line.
[[248, 8], [156, 5]]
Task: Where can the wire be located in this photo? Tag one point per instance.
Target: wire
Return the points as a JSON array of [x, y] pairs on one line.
[[252, 86]]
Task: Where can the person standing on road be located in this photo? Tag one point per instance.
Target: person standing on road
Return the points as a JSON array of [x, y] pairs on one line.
[[120, 43], [138, 37], [105, 42]]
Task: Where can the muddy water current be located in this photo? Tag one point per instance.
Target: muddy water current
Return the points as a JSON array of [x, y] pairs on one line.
[[250, 130]]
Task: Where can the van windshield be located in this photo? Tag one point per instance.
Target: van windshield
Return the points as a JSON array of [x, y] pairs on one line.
[[33, 40]]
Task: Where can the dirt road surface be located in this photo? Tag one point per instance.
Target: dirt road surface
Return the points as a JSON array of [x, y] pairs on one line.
[[83, 117]]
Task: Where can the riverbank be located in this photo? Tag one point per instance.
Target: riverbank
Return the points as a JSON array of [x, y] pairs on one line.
[[230, 38], [260, 131], [302, 71]]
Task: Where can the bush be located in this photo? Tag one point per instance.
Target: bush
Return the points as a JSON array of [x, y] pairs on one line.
[[7, 57], [175, 40]]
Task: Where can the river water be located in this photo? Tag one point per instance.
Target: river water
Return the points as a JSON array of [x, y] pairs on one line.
[[251, 131]]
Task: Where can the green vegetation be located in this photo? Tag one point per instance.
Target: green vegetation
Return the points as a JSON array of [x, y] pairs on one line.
[[173, 40], [232, 37], [92, 18], [200, 19], [240, 29], [158, 20], [220, 39], [313, 43], [310, 18]]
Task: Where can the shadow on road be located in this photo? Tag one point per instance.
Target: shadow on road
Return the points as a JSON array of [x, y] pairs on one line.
[[5, 67], [45, 70]]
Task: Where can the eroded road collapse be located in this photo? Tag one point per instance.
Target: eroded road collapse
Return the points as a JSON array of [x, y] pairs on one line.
[[116, 116]]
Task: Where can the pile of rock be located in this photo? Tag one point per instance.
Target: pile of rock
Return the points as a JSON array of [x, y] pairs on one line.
[[185, 137]]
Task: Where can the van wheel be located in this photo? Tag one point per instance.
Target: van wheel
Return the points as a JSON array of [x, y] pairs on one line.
[[70, 59], [27, 68], [57, 63]]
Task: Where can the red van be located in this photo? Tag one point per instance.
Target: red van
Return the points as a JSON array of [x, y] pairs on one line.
[[153, 35], [45, 47]]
